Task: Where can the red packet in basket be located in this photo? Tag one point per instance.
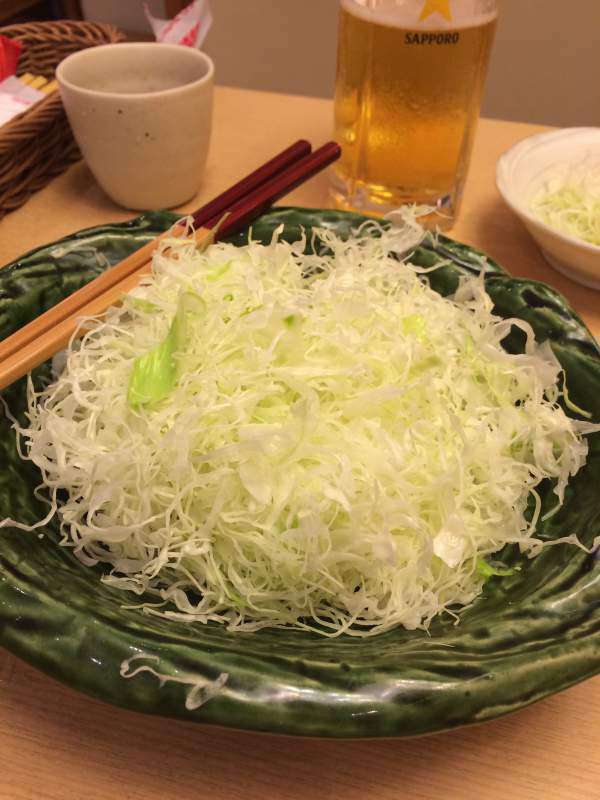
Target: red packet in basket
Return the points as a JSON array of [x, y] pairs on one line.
[[9, 55], [189, 27]]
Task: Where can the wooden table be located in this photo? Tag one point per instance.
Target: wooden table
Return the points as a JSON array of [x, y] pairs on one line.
[[56, 744]]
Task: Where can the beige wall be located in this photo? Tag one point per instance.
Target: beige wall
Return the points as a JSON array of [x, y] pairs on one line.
[[545, 66], [546, 62], [127, 14]]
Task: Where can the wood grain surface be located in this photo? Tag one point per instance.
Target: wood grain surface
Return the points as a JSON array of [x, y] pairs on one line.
[[56, 744]]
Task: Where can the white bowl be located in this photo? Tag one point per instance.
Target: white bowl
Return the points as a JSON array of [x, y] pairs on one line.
[[524, 170]]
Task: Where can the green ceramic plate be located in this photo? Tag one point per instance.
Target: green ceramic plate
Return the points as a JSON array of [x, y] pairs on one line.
[[526, 637]]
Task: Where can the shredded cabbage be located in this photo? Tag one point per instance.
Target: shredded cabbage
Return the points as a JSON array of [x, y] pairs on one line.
[[200, 690], [572, 207], [260, 438]]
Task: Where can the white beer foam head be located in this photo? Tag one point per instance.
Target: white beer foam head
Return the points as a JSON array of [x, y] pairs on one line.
[[406, 13]]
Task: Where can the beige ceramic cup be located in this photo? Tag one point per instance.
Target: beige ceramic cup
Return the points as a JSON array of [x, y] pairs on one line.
[[141, 114]]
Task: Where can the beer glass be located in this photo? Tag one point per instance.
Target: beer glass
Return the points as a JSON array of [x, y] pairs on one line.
[[409, 83]]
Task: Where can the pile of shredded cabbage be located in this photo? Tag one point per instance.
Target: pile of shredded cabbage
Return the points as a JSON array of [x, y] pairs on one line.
[[570, 203], [262, 438]]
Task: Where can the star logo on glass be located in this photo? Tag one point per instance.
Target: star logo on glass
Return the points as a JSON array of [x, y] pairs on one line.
[[432, 6]]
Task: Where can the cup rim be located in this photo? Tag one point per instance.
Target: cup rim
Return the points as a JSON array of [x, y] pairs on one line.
[[89, 52]]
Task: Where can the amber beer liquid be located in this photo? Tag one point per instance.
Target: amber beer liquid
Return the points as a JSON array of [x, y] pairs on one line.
[[408, 93]]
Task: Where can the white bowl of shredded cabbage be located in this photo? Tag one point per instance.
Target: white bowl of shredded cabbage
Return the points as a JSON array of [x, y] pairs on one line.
[[552, 183]]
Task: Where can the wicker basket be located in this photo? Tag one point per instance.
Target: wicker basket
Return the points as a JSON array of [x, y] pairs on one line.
[[38, 144]]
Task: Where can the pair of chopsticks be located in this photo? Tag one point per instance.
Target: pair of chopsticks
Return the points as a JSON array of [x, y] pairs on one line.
[[242, 202]]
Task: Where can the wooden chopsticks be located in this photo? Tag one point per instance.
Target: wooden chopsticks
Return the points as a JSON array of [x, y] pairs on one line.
[[243, 202]]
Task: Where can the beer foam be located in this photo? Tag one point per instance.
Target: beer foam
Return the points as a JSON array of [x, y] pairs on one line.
[[405, 14]]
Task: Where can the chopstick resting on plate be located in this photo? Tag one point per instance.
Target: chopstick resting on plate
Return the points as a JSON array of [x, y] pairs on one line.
[[243, 202]]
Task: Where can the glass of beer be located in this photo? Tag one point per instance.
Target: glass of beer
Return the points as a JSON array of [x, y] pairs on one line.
[[409, 83]]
